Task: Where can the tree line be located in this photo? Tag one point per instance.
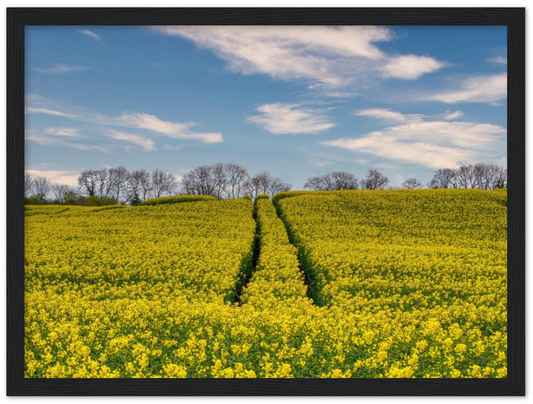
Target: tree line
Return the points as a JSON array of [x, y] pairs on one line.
[[478, 176], [106, 186]]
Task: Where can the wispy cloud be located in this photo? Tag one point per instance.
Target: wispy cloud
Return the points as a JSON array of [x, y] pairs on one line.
[[502, 60], [476, 89], [434, 144], [69, 178], [173, 130], [411, 67], [91, 34], [388, 115], [46, 111], [453, 115], [63, 131], [279, 118], [145, 144], [52, 139], [323, 57], [132, 120], [59, 68]]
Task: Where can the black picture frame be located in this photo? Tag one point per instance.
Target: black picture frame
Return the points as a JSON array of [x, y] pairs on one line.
[[512, 18]]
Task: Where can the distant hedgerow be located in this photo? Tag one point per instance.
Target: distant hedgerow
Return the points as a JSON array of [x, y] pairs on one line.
[[177, 199]]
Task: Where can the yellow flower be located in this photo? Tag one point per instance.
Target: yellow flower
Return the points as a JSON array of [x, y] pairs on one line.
[[382, 355], [460, 348]]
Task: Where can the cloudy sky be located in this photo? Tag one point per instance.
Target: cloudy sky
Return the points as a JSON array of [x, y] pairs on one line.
[[295, 101]]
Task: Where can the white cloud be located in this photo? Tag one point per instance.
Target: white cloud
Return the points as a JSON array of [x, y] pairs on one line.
[[47, 139], [173, 130], [46, 111], [477, 89], [279, 118], [316, 85], [411, 67], [318, 162], [434, 144], [63, 131], [136, 120], [453, 115], [69, 178], [340, 94], [91, 34], [146, 144], [388, 115], [59, 68], [323, 56], [498, 60]]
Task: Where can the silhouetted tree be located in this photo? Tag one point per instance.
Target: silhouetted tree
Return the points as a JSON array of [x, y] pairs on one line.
[[335, 181], [444, 178], [236, 177], [88, 181], [411, 183], [28, 184], [200, 181], [163, 183], [265, 183], [41, 188], [479, 176], [60, 191], [119, 180], [218, 180], [374, 180]]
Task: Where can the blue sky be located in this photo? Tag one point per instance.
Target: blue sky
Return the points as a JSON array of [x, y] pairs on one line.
[[295, 101]]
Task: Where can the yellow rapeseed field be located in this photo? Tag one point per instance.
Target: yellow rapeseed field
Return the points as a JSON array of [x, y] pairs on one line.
[[402, 284]]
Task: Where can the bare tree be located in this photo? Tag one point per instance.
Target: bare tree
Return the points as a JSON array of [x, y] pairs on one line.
[[28, 184], [236, 177], [374, 180], [163, 183], [119, 179], [88, 181], [103, 182], [60, 191], [341, 180], [501, 178], [464, 177], [444, 178], [218, 173], [199, 181], [317, 183], [335, 181], [479, 176], [264, 183], [411, 183], [145, 184], [41, 188], [278, 185], [139, 184], [258, 184], [486, 175], [218, 180]]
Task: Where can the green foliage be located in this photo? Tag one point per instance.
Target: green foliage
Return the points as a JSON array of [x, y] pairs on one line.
[[96, 201], [135, 201], [34, 201], [71, 198], [177, 199]]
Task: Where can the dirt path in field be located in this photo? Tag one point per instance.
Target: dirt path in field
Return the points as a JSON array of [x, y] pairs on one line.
[[251, 270]]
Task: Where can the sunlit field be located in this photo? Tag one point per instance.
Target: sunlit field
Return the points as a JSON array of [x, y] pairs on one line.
[[364, 284]]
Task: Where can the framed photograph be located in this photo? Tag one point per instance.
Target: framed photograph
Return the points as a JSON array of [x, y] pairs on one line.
[[266, 201]]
